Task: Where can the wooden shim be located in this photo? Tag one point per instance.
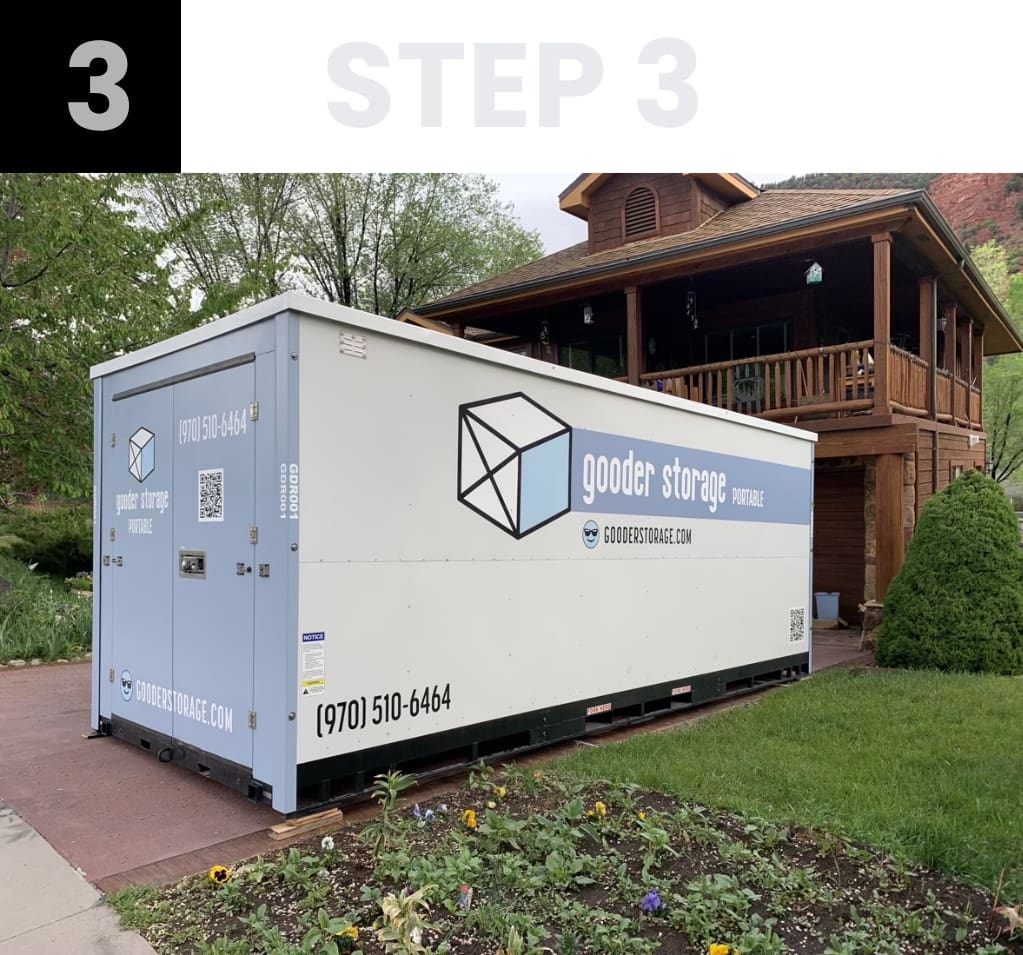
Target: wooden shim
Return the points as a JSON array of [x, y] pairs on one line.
[[303, 824]]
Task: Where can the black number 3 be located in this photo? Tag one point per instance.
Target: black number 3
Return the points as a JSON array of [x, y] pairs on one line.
[[104, 85]]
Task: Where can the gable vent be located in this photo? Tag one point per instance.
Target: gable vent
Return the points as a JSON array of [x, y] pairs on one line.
[[640, 212]]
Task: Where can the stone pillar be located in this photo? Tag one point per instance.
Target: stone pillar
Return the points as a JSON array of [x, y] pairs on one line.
[[870, 529], [908, 497]]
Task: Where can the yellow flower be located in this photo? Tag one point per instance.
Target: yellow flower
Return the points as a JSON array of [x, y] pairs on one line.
[[469, 818], [600, 809], [718, 949], [537, 775], [500, 792], [350, 932], [589, 812], [219, 874], [641, 814], [491, 804]]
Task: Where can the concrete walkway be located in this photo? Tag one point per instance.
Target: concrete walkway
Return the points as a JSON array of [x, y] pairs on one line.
[[46, 906]]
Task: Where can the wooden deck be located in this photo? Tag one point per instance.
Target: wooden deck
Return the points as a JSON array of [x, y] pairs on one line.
[[830, 381]]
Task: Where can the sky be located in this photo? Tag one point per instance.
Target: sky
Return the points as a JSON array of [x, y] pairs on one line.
[[535, 198]]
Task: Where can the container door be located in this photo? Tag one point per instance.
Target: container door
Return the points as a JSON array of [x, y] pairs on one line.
[[135, 533], [214, 547]]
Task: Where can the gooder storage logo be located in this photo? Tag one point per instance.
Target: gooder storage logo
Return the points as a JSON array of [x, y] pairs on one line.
[[514, 463], [520, 467]]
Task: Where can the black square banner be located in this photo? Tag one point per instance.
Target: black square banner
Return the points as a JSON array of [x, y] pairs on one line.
[[95, 88]]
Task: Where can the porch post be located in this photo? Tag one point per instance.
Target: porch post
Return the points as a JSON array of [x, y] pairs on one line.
[[882, 321], [967, 350], [949, 358], [633, 334], [888, 522], [978, 368], [926, 336]]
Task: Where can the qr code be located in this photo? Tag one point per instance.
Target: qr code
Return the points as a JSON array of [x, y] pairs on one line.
[[211, 495], [797, 624]]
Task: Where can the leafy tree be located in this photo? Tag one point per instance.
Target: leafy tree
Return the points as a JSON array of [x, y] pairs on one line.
[[957, 602], [228, 241], [380, 242], [1003, 375], [79, 283]]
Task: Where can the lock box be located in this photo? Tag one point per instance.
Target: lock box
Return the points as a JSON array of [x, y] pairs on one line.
[[328, 544]]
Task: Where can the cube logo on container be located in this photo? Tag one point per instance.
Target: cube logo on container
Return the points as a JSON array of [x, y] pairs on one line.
[[514, 463], [142, 454]]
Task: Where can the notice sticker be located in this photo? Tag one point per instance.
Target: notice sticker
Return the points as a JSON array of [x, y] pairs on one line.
[[312, 672]]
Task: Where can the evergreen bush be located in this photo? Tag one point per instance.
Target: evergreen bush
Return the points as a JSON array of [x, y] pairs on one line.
[[957, 603]]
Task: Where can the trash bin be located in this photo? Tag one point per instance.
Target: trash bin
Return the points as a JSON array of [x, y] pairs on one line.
[[827, 605]]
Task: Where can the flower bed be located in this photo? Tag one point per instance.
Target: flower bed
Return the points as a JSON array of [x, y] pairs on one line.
[[524, 862]]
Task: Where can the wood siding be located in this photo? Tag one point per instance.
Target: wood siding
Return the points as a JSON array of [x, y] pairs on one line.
[[953, 451], [674, 207], [839, 530], [710, 203]]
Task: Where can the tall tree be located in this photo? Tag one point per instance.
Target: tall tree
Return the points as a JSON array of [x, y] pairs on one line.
[[227, 237], [380, 242], [1003, 375], [79, 283]]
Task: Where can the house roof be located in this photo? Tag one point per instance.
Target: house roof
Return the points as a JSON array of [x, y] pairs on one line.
[[767, 218], [772, 208]]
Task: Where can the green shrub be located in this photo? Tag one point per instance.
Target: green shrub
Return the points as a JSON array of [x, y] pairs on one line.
[[40, 617], [957, 602], [58, 540]]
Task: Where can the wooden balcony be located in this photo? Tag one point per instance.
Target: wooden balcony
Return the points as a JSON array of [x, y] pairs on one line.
[[831, 381]]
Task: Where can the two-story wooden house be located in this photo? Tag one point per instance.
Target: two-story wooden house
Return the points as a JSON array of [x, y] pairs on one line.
[[857, 314]]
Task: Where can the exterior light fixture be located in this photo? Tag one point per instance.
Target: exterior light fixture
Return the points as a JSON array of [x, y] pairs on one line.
[[587, 314], [545, 332], [942, 323]]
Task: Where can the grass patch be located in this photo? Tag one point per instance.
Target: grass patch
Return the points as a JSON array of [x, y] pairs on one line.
[[137, 906], [40, 618], [926, 765]]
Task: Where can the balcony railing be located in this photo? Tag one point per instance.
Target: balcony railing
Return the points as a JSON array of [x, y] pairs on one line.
[[832, 380]]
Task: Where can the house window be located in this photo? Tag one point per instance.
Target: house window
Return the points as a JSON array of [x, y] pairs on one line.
[[640, 212], [599, 356]]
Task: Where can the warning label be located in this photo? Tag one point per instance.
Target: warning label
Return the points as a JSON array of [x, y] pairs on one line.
[[313, 687], [312, 673]]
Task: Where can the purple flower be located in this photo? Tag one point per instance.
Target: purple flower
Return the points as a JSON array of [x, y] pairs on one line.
[[415, 810], [651, 901], [428, 815]]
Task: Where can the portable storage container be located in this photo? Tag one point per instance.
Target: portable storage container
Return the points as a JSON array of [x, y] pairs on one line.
[[329, 543]]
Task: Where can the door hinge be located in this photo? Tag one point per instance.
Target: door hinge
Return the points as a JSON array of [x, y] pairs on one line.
[[264, 570], [113, 534], [254, 411], [113, 439], [110, 675], [253, 535], [106, 560], [252, 719]]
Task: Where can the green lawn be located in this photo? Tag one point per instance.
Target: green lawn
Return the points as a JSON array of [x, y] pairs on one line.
[[925, 765]]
